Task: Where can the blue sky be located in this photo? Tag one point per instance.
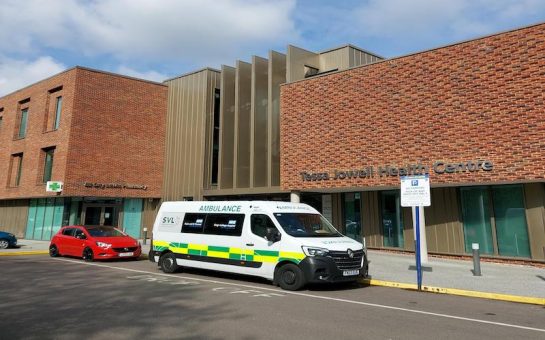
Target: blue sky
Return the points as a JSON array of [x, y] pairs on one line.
[[158, 39]]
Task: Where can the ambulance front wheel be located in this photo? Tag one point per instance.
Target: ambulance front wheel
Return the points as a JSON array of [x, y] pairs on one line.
[[168, 263], [290, 277]]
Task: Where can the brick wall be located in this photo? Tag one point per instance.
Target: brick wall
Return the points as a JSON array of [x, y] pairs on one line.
[[112, 131], [478, 100], [117, 136], [39, 134]]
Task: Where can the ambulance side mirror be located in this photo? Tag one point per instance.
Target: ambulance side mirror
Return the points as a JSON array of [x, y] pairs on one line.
[[273, 235]]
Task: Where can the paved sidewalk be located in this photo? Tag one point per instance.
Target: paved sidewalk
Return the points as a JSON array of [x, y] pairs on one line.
[[397, 270]]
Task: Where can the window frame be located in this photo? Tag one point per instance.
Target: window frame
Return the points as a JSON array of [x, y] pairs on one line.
[[58, 110], [50, 151]]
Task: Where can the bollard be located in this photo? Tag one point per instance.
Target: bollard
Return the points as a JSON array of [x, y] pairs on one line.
[[476, 259], [145, 234]]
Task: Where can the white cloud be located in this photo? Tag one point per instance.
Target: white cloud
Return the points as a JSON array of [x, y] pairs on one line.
[[417, 22], [148, 75], [154, 29], [15, 74]]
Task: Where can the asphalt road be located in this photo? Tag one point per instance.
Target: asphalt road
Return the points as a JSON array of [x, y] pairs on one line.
[[46, 298]]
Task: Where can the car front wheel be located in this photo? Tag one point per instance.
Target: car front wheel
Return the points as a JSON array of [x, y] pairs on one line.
[[4, 244], [53, 251], [88, 255]]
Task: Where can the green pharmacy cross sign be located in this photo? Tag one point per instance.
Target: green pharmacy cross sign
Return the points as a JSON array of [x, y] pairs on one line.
[[53, 186]]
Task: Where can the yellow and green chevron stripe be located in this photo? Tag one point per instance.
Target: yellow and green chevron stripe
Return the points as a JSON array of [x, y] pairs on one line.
[[228, 253]]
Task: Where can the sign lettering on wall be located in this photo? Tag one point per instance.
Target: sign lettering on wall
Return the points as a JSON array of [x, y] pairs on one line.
[[438, 168], [115, 186]]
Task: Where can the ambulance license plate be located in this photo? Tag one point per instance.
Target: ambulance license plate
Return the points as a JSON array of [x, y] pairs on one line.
[[351, 272], [126, 254]]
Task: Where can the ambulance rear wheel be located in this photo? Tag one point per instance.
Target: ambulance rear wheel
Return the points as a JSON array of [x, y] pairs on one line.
[[290, 277], [168, 263]]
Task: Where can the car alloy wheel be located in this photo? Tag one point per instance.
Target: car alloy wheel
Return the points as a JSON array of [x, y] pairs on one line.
[[53, 251], [88, 254], [4, 244]]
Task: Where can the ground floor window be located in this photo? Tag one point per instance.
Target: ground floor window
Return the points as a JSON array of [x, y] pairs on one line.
[[392, 219], [494, 217], [351, 203]]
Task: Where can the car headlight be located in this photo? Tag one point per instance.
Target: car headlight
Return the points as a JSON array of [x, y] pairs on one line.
[[104, 245], [313, 251]]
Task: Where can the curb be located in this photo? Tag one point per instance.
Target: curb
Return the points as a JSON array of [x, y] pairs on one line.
[[30, 252], [454, 291]]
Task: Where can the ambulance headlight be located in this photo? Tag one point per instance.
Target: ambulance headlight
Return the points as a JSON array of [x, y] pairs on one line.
[[313, 251]]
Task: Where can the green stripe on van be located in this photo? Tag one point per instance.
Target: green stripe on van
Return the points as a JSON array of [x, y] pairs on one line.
[[267, 253], [220, 249]]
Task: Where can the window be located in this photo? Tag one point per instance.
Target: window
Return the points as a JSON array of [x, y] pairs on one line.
[[260, 224], [506, 233], [48, 163], [68, 231], [352, 215], [16, 169], [392, 219], [1, 117], [193, 223], [216, 137], [58, 108], [23, 123], [224, 224]]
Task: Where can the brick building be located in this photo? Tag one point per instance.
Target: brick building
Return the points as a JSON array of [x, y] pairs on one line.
[[100, 134], [337, 129], [471, 115]]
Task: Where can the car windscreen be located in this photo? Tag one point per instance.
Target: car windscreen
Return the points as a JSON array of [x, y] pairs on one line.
[[306, 225], [104, 232]]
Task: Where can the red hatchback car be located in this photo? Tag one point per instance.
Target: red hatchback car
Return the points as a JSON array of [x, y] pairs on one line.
[[94, 243]]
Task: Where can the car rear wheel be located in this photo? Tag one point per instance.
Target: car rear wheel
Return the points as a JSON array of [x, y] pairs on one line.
[[88, 255], [53, 251], [4, 244], [168, 263], [290, 277]]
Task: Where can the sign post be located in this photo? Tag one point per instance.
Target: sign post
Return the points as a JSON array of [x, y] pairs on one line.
[[415, 192]]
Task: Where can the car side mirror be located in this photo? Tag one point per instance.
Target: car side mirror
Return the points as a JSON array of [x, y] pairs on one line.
[[273, 235]]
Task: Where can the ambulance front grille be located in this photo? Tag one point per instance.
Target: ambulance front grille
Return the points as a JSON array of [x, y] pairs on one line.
[[343, 261]]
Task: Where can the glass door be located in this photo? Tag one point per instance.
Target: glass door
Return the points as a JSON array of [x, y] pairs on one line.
[[352, 215], [105, 215], [392, 220]]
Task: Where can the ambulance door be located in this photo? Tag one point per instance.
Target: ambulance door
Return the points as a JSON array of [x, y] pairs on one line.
[[265, 252]]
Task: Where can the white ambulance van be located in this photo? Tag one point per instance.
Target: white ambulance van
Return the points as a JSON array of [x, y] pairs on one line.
[[288, 243]]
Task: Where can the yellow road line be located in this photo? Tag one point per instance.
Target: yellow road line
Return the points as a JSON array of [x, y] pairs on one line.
[[459, 292], [30, 252]]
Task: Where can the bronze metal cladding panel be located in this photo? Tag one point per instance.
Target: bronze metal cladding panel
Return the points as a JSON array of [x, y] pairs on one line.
[[277, 76], [213, 83], [444, 230], [335, 59], [358, 57], [297, 59], [535, 215], [186, 120], [371, 226], [243, 99], [227, 127], [149, 212], [13, 216], [259, 170]]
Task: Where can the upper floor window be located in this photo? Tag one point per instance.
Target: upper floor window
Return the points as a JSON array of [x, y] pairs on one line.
[[21, 125], [53, 111], [48, 163], [58, 108], [16, 170], [1, 117], [23, 122]]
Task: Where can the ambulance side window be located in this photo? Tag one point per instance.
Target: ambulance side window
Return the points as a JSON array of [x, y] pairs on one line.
[[193, 223], [260, 223], [224, 224]]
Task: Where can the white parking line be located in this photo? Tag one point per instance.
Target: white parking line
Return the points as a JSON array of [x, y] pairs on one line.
[[414, 311]]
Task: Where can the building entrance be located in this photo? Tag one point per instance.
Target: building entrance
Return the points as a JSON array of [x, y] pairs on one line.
[[100, 214]]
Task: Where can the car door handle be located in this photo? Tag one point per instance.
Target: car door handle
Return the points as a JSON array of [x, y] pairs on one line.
[[250, 244]]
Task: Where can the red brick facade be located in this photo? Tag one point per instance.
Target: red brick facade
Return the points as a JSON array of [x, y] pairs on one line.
[[477, 100], [111, 133]]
